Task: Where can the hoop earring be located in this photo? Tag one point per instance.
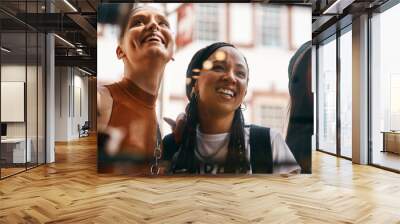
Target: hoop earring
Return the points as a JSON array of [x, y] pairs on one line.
[[243, 106]]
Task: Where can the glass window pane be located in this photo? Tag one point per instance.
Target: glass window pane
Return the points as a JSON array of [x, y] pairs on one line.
[[271, 25], [327, 97], [14, 153], [346, 94], [385, 88], [22, 87], [31, 97], [41, 98], [207, 21]]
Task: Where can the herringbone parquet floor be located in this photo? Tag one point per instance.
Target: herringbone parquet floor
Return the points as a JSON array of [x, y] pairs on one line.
[[70, 191]]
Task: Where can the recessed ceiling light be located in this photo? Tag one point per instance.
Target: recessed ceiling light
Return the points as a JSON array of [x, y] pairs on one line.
[[64, 40], [70, 5], [337, 7], [84, 71], [5, 50]]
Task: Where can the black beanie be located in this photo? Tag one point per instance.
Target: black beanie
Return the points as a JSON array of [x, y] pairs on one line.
[[197, 61]]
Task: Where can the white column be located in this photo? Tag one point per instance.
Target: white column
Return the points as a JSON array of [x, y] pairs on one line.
[[50, 98], [50, 92], [360, 90]]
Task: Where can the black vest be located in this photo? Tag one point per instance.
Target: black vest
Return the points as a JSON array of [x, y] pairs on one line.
[[260, 149]]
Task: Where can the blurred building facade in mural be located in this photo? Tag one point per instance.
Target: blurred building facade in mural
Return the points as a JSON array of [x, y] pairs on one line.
[[267, 34]]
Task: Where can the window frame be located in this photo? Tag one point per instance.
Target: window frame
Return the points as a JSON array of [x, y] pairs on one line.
[[378, 10], [334, 36]]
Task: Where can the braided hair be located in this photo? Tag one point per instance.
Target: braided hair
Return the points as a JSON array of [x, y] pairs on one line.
[[185, 159]]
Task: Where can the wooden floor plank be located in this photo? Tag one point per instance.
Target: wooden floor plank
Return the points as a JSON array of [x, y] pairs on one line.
[[71, 191]]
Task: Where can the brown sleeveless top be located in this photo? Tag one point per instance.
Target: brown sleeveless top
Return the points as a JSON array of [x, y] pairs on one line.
[[133, 111]]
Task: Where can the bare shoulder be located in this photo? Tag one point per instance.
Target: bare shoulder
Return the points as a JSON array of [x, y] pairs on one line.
[[104, 94], [104, 106]]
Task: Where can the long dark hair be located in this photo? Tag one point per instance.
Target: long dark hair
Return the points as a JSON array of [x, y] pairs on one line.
[[300, 127], [186, 160]]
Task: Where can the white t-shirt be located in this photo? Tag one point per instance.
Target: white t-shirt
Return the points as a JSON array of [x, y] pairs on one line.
[[213, 148]]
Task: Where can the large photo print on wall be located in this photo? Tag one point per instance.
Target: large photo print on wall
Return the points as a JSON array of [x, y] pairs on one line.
[[210, 88]]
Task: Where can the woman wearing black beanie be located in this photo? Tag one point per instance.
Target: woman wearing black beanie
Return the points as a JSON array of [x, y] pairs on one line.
[[215, 138]]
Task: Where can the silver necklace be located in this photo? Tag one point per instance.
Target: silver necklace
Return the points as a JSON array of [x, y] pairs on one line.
[[208, 159], [155, 168]]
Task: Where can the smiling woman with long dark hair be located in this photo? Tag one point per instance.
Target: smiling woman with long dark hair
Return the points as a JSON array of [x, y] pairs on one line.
[[215, 138]]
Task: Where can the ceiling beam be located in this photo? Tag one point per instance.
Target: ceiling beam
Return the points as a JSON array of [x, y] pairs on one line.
[[81, 61], [84, 24]]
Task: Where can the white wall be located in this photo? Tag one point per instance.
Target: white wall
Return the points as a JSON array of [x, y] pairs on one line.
[[16, 73], [61, 103], [33, 126], [79, 117], [70, 83]]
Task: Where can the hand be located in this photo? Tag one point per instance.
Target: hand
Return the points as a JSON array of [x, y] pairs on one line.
[[112, 141], [177, 126]]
